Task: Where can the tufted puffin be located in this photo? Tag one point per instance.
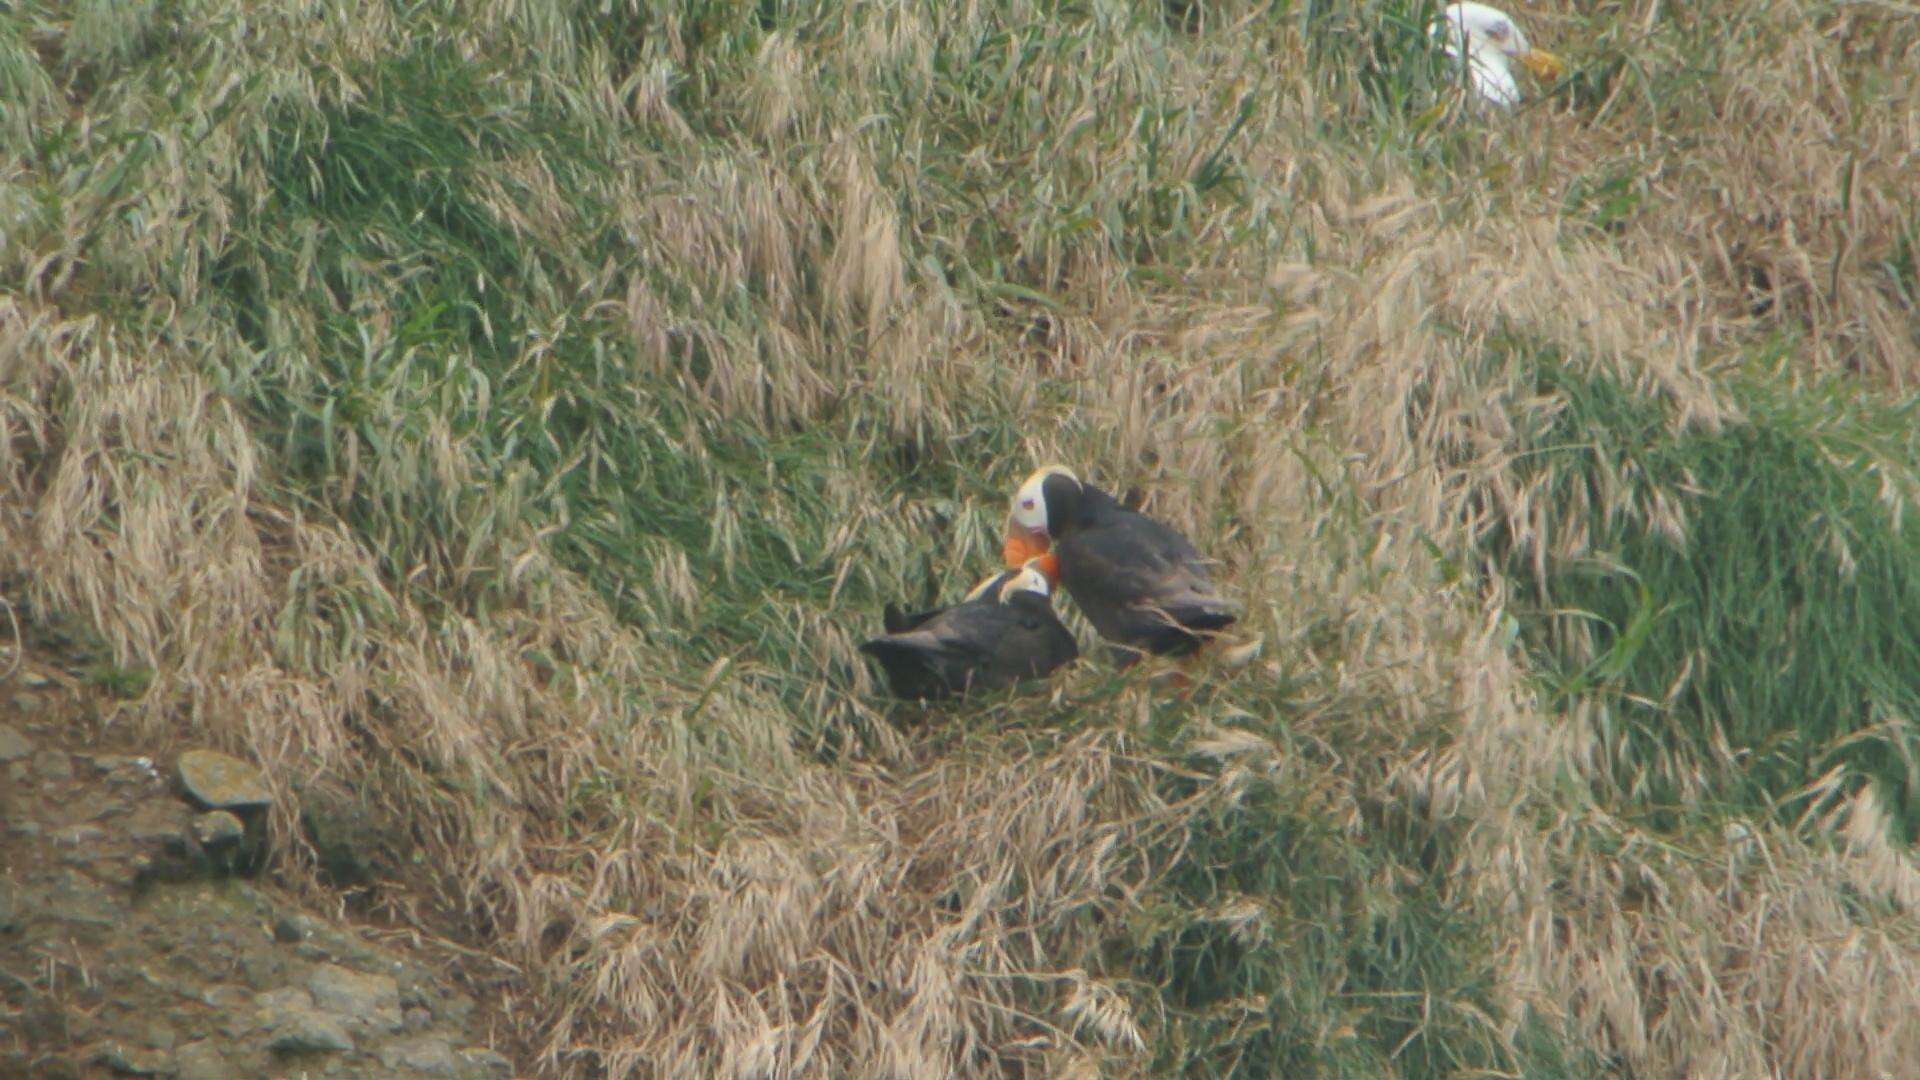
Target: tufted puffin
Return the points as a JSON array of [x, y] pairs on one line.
[[1002, 632], [1141, 584]]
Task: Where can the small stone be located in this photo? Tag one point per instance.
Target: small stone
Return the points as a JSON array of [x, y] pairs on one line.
[[235, 1025], [368, 999], [27, 829], [134, 1061], [414, 991], [13, 745], [225, 996], [123, 769], [262, 968], [218, 829], [488, 1063], [33, 680], [221, 781], [159, 822], [288, 929], [423, 1055], [25, 703], [202, 1061], [285, 999], [157, 1035], [53, 765], [304, 1030], [417, 1018], [77, 835]]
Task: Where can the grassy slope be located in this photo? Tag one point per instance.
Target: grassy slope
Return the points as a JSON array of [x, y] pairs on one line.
[[519, 416]]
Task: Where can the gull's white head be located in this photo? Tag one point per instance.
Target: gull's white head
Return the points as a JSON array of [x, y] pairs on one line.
[[1490, 41]]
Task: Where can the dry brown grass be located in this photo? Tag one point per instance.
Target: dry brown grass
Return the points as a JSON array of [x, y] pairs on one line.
[[622, 810]]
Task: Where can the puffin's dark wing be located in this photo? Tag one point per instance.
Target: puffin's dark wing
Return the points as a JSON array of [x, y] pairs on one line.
[[897, 621], [1142, 584], [980, 645], [924, 663], [1039, 642]]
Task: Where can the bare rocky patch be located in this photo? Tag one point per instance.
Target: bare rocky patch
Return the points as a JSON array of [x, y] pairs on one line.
[[132, 943]]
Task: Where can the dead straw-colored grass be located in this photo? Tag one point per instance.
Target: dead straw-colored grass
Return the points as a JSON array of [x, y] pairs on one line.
[[518, 415]]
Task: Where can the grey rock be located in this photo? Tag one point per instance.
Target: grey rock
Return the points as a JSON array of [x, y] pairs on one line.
[[285, 999], [237, 1025], [427, 1054], [27, 829], [218, 829], [416, 1018], [481, 1061], [33, 680], [77, 836], [306, 1031], [123, 769], [415, 992], [53, 765], [134, 1061], [163, 848], [373, 1000], [225, 996], [289, 929], [157, 1035], [202, 1061], [157, 821], [13, 745], [453, 1009], [221, 781], [352, 848], [262, 969], [79, 901]]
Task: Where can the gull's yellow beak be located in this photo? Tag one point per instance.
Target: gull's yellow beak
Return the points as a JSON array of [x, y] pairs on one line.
[[1544, 65]]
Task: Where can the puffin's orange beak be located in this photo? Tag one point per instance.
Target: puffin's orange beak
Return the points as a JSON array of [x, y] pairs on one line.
[[1023, 544]]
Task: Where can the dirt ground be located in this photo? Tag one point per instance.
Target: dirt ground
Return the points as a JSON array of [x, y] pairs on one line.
[[143, 934]]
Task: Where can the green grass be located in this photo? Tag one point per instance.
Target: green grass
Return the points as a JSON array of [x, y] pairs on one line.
[[1773, 603]]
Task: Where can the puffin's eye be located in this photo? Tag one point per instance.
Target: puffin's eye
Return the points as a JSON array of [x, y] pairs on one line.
[[1026, 504], [1499, 31]]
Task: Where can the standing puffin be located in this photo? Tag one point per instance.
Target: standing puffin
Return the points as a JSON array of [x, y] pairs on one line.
[[1142, 585], [1004, 631]]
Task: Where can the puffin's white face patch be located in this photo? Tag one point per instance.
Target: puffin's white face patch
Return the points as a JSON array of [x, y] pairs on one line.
[[1030, 502], [1029, 579]]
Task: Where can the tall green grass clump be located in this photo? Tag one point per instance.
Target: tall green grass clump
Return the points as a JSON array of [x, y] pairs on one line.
[[1745, 600]]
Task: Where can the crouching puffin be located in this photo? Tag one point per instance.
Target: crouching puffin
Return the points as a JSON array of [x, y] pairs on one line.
[[1141, 584], [1003, 632]]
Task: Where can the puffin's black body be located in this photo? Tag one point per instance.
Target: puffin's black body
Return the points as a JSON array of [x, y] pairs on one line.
[[1141, 584], [981, 644]]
